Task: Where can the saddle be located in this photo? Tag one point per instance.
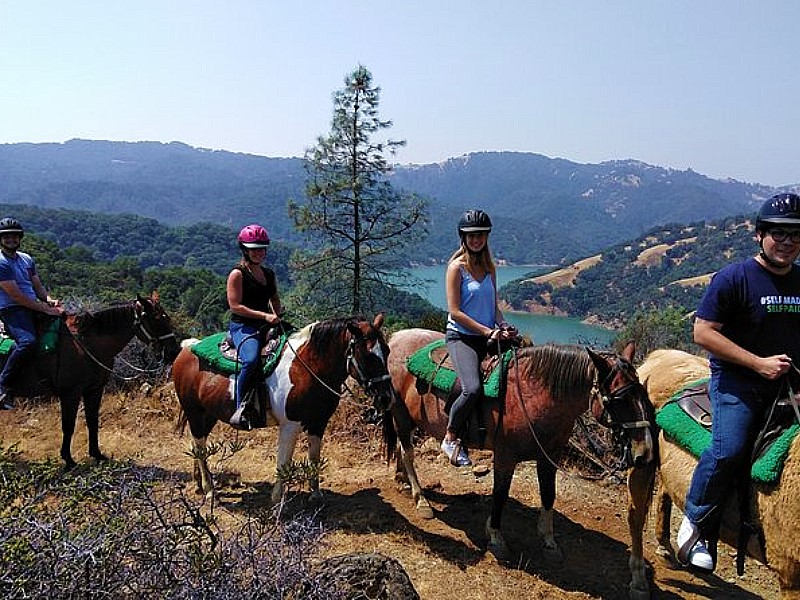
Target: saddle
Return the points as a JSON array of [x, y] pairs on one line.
[[434, 374], [686, 418], [47, 331], [219, 352]]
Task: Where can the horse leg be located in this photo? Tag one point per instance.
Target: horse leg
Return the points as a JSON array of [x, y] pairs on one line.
[[640, 495], [287, 438], [546, 475], [69, 413], [663, 525], [91, 409], [502, 484], [424, 508], [201, 474], [314, 456]]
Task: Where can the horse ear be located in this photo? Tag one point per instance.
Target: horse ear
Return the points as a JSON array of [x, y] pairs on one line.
[[599, 362], [353, 329], [378, 322], [629, 351]]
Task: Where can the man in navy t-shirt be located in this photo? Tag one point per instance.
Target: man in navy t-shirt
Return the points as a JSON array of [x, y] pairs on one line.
[[749, 322], [21, 294]]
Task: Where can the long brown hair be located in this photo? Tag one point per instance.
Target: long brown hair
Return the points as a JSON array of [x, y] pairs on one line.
[[475, 261]]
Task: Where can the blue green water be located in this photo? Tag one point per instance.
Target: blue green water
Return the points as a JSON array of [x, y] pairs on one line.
[[541, 328]]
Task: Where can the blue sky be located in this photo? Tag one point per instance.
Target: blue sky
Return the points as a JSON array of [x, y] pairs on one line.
[[708, 85]]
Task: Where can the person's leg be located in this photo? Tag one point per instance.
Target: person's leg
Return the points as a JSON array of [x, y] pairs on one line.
[[20, 326], [731, 437], [246, 340], [466, 359]]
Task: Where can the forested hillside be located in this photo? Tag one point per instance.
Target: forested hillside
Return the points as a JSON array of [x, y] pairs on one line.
[[666, 267], [545, 210]]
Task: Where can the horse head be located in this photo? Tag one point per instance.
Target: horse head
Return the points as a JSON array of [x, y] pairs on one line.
[[367, 360], [154, 327], [623, 404]]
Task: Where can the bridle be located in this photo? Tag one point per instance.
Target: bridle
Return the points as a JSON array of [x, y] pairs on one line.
[[357, 372], [610, 399], [140, 329]]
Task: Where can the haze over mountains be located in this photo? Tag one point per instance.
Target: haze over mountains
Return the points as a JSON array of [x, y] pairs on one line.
[[545, 210]]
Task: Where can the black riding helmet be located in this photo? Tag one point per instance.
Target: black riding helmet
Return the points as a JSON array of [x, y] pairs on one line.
[[10, 225], [781, 209], [474, 221]]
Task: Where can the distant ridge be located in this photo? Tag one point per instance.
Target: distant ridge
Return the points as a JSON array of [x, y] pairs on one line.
[[545, 210]]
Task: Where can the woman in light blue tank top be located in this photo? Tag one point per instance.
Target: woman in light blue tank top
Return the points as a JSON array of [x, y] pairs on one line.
[[473, 319]]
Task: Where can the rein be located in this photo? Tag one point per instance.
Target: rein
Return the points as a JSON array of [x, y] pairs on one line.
[[137, 325]]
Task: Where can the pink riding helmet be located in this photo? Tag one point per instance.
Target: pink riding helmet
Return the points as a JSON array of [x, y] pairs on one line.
[[253, 236]]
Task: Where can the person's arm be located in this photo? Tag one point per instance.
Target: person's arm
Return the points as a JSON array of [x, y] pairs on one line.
[[11, 288], [708, 335], [453, 294], [41, 291], [234, 291]]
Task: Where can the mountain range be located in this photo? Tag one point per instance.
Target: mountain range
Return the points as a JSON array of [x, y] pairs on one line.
[[544, 210]]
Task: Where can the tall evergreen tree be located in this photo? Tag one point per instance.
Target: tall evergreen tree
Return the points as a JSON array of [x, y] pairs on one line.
[[356, 223]]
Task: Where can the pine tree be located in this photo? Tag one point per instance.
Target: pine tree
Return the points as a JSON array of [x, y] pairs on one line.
[[356, 223]]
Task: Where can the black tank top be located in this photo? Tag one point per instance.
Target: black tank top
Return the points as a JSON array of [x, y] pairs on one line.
[[255, 295]]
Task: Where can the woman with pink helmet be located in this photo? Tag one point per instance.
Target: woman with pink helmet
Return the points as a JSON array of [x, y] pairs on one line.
[[255, 306]]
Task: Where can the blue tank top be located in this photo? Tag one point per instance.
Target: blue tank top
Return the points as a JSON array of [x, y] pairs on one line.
[[477, 300]]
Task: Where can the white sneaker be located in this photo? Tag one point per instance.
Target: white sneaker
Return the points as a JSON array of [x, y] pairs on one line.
[[455, 453], [695, 554]]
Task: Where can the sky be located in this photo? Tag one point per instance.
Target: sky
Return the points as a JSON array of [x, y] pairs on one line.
[[709, 85]]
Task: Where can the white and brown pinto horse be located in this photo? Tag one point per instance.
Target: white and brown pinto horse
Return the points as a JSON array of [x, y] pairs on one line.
[[304, 389], [546, 389], [774, 508]]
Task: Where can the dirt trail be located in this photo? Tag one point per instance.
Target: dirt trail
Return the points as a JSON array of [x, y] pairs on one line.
[[364, 509]]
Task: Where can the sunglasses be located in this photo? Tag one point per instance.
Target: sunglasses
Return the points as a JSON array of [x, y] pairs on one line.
[[780, 235]]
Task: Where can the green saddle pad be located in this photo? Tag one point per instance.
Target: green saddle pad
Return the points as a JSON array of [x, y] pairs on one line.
[[694, 438], [208, 350], [47, 342], [421, 365]]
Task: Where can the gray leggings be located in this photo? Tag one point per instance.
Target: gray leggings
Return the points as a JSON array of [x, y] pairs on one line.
[[466, 353]]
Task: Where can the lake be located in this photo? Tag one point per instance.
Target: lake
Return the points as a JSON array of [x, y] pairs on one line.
[[541, 328]]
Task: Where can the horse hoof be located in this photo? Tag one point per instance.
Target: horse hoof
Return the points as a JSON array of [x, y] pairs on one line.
[[69, 464], [424, 511], [638, 593], [99, 457], [500, 551], [553, 553]]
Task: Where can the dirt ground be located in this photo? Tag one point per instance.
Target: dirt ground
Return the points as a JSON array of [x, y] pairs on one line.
[[365, 510]]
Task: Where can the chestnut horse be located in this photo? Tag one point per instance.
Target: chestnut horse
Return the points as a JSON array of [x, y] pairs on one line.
[[546, 389], [774, 508], [304, 389], [83, 360]]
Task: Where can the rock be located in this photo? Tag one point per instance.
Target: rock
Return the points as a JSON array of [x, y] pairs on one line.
[[368, 575]]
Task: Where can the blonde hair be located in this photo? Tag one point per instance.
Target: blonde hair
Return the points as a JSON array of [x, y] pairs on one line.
[[474, 261]]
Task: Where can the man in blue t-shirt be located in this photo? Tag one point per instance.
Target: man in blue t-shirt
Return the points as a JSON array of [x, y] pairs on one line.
[[749, 322], [21, 295]]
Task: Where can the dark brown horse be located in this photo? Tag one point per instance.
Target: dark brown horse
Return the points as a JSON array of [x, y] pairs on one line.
[[83, 361], [547, 388], [304, 389]]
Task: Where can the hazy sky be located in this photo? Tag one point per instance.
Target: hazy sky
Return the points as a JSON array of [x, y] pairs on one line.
[[710, 85]]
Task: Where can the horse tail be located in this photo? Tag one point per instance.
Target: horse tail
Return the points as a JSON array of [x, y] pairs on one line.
[[389, 431], [180, 423]]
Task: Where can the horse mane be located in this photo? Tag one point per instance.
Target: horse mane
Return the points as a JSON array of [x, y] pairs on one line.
[[562, 369], [325, 333], [103, 321]]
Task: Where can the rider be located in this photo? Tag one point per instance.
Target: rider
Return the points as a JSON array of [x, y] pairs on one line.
[[474, 318], [749, 323], [21, 295], [255, 307]]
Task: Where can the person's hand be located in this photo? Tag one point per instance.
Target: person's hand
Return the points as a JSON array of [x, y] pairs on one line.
[[772, 367], [508, 330]]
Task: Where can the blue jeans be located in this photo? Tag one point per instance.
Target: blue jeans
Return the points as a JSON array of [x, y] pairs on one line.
[[736, 411], [21, 327], [466, 353], [248, 341]]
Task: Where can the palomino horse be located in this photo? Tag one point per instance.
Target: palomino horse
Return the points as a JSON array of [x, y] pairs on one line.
[[774, 508], [304, 389], [547, 388], [83, 360]]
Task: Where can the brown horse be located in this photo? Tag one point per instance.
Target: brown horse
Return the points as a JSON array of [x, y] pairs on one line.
[[304, 389], [774, 508], [83, 361], [547, 388]]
